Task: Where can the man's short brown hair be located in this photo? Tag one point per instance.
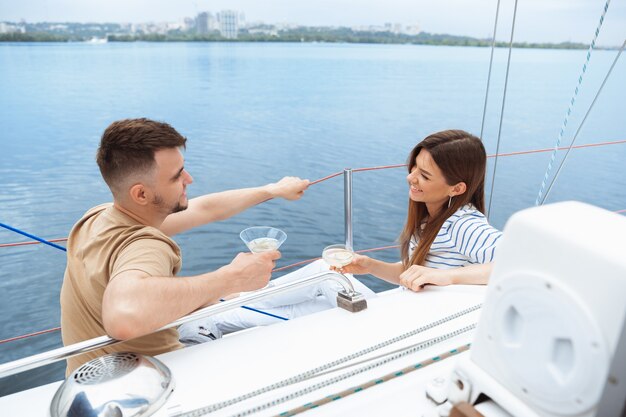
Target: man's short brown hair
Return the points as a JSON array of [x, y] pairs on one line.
[[127, 149]]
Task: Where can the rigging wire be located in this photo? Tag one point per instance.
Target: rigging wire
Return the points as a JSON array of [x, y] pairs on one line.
[[506, 82], [493, 46], [569, 148], [571, 105]]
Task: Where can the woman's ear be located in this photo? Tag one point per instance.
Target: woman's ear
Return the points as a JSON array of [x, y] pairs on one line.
[[458, 189]]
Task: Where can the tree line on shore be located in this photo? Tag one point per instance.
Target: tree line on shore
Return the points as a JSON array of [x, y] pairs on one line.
[[328, 35]]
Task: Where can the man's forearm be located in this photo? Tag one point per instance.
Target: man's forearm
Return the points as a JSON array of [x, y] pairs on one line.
[[226, 204], [135, 304]]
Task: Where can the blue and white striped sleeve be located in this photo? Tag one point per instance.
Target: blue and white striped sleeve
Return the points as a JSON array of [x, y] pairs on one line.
[[475, 238]]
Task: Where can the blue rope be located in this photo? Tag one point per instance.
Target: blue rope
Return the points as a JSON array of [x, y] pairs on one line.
[[540, 198], [261, 312], [21, 232]]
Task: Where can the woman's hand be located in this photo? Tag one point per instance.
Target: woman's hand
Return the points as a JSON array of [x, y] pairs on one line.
[[360, 265], [417, 276]]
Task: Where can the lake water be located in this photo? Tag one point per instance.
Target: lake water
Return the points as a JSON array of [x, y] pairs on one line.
[[253, 113]]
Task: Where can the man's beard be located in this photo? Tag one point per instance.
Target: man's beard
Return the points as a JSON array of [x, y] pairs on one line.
[[158, 201], [179, 207]]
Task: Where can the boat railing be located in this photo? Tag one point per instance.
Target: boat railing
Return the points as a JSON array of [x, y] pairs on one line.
[[45, 358], [348, 298]]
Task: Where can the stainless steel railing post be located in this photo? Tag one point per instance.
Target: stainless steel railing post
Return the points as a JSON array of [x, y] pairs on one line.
[[347, 198]]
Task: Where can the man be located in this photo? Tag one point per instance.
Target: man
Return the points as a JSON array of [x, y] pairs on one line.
[[121, 263]]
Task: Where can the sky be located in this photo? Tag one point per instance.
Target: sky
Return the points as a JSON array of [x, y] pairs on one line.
[[536, 20]]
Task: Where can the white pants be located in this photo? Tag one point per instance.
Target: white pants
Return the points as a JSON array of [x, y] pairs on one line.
[[289, 305]]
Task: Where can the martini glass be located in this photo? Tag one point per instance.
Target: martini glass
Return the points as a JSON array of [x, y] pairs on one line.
[[337, 255], [262, 238]]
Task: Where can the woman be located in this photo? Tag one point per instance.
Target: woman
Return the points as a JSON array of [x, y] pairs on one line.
[[446, 239]]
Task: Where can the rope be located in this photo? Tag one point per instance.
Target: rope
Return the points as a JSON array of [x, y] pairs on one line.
[[569, 148], [347, 375], [373, 382], [313, 372], [306, 261], [493, 47], [21, 232], [24, 336], [3, 245], [260, 311], [506, 83], [366, 169], [564, 148], [378, 167], [571, 105]]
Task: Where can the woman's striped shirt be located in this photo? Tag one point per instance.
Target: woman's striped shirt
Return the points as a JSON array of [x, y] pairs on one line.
[[465, 238]]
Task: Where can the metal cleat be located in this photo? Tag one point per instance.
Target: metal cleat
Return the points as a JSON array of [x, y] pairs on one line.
[[353, 302]]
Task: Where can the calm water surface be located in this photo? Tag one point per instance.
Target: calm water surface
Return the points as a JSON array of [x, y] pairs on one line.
[[255, 112]]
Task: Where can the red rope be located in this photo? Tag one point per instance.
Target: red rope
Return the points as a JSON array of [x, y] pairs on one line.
[[24, 336], [282, 268], [379, 167], [2, 245], [312, 183], [336, 174], [564, 148]]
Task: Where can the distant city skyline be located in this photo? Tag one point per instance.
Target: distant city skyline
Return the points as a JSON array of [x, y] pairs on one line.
[[537, 20]]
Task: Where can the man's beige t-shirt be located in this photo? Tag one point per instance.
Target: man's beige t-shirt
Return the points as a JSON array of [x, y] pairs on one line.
[[102, 244]]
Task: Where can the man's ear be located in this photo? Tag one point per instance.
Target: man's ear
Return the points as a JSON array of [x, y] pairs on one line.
[[139, 194], [459, 189]]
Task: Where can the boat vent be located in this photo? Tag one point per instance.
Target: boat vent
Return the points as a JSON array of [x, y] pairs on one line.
[[106, 368], [114, 385]]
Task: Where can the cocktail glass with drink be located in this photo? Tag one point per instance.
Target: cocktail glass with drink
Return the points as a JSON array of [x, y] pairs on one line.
[[337, 255], [262, 238]]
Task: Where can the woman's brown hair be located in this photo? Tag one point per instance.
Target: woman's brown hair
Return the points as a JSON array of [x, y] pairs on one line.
[[461, 157]]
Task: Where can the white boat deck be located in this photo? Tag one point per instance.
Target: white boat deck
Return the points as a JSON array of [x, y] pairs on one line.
[[243, 362]]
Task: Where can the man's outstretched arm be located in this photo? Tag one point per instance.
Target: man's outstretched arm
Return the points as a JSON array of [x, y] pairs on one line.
[[220, 206]]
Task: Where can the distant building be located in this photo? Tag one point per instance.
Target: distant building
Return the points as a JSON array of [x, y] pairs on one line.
[[189, 24], [8, 28], [202, 23], [174, 26], [263, 31], [212, 24], [413, 29], [228, 23]]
